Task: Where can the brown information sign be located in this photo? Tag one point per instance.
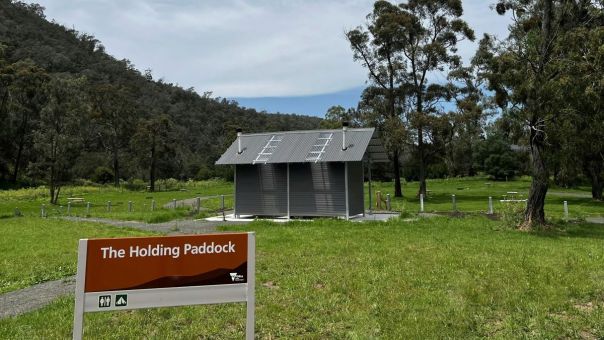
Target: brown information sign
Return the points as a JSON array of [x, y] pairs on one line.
[[169, 271], [163, 262]]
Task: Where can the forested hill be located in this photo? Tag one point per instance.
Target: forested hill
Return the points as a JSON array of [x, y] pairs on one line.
[[69, 110]]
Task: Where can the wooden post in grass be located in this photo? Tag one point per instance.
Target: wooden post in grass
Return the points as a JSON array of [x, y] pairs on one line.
[[566, 210], [152, 205], [454, 203], [490, 212], [17, 212], [129, 206], [198, 204], [174, 203], [43, 211], [88, 208], [421, 202], [388, 206], [68, 208], [108, 206]]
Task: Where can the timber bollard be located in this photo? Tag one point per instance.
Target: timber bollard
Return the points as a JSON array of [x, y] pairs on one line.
[[222, 207], [43, 211], [566, 209], [421, 202], [198, 204], [88, 208], [378, 200], [453, 202], [152, 205], [68, 208], [129, 206], [174, 203], [388, 206], [108, 206], [490, 212]]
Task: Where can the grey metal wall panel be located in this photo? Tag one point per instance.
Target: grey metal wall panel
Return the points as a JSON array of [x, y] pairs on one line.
[[261, 190], [317, 189], [355, 188]]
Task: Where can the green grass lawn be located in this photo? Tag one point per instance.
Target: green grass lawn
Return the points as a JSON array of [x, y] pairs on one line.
[[430, 278], [472, 195], [29, 201], [35, 250]]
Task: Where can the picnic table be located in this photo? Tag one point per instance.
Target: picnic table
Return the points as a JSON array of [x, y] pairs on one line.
[[512, 196], [75, 199]]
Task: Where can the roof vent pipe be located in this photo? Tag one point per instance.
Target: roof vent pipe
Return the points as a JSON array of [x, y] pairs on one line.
[[239, 150], [344, 129]]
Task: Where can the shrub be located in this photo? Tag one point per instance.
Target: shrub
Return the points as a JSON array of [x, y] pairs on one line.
[[102, 175]]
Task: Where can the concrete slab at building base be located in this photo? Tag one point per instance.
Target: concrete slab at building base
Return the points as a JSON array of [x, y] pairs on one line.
[[381, 216]]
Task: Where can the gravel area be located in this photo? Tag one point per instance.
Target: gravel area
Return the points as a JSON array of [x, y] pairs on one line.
[[191, 202], [34, 297]]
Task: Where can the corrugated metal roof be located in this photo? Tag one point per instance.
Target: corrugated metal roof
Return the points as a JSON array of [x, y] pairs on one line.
[[304, 146]]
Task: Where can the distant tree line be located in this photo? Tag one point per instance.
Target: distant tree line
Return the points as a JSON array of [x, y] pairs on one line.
[[71, 111], [530, 103]]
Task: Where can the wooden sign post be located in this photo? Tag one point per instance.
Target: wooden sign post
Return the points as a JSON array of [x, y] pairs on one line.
[[146, 272]]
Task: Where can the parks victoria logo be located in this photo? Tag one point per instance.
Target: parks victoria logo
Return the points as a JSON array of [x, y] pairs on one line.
[[236, 277]]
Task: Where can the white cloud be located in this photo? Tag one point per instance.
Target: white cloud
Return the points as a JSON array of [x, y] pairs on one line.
[[239, 48]]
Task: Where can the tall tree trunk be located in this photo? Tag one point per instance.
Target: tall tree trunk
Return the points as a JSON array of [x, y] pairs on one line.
[[22, 132], [397, 173], [152, 168], [534, 213], [597, 182], [116, 166], [15, 175]]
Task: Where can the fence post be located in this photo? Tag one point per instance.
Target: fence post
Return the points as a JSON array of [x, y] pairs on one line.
[[108, 206], [198, 204], [421, 202], [454, 203], [174, 203], [566, 209], [222, 207], [152, 205], [43, 211], [388, 206], [88, 208], [68, 208], [129, 206], [490, 205]]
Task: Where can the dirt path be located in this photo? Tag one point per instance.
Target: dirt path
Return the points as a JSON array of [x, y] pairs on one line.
[[34, 297], [191, 202], [173, 227], [37, 296], [597, 220]]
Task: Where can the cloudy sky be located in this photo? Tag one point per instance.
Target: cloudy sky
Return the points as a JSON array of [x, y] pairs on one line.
[[274, 55]]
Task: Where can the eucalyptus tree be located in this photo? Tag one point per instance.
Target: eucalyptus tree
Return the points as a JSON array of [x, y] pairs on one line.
[[378, 46], [58, 140], [22, 102], [528, 70], [430, 32]]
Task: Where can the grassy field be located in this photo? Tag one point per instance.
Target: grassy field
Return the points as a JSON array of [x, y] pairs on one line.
[[29, 201], [426, 278], [472, 196], [35, 250]]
